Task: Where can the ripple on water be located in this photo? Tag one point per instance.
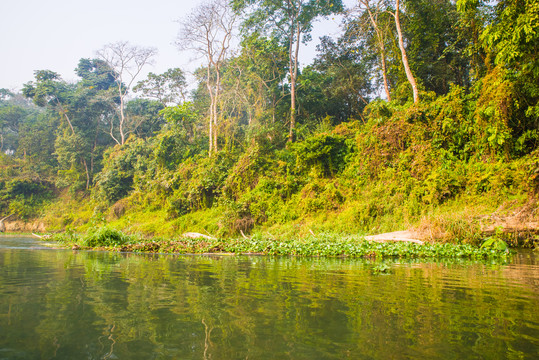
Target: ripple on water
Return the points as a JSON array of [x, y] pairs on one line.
[[134, 306]]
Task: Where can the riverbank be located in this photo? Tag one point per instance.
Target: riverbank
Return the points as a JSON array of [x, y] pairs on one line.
[[23, 227], [465, 224], [470, 220], [456, 201]]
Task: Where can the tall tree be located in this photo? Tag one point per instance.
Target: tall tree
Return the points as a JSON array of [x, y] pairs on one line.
[[406, 65], [5, 94], [168, 88], [255, 76], [345, 78], [10, 118], [473, 15], [513, 39], [49, 90], [291, 21], [436, 53], [85, 108], [145, 116], [208, 31], [428, 49], [92, 100], [126, 61], [374, 10], [96, 74], [36, 141]]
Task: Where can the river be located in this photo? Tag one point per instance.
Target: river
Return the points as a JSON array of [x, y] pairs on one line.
[[64, 304]]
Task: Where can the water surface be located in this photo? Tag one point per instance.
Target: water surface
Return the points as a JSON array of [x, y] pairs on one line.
[[63, 304]]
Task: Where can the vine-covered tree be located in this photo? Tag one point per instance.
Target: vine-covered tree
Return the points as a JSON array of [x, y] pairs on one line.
[[290, 21], [254, 77]]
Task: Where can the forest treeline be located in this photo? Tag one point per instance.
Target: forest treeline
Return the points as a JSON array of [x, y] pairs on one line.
[[420, 112]]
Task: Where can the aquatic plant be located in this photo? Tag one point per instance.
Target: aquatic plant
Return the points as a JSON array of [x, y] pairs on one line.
[[96, 237], [323, 245], [381, 269], [495, 242]]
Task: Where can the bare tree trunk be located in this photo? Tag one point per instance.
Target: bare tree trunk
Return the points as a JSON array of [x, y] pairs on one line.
[[87, 173], [381, 49], [293, 66], [384, 74], [64, 112], [292, 111], [122, 117], [212, 101], [112, 132], [92, 155], [409, 74], [214, 92], [215, 112]]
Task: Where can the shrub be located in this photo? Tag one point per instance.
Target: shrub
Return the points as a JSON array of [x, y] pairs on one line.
[[25, 197], [116, 179], [104, 236], [324, 153]]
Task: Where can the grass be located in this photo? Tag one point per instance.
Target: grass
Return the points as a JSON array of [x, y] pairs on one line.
[[337, 232], [155, 222], [68, 211]]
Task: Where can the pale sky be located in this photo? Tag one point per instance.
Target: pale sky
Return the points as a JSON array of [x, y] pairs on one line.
[[55, 34]]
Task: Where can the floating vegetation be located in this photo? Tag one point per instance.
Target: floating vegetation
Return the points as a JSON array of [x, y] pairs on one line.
[[324, 245], [381, 269]]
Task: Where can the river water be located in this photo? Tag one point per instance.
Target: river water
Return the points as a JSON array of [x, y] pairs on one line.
[[63, 304]]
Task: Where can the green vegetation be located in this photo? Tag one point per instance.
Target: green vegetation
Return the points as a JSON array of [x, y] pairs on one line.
[[278, 154], [328, 245]]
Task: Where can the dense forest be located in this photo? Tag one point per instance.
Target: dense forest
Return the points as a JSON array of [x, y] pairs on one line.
[[421, 114]]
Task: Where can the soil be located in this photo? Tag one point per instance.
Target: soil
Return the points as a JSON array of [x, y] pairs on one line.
[[518, 222], [510, 219], [23, 227]]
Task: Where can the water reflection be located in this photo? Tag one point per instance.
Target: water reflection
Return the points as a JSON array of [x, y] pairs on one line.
[[59, 304]]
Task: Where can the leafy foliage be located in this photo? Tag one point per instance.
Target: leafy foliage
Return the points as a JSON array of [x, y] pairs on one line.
[[24, 197], [351, 163], [116, 179], [167, 88], [321, 153]]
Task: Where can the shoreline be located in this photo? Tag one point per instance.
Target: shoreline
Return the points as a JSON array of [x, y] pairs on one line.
[[323, 245]]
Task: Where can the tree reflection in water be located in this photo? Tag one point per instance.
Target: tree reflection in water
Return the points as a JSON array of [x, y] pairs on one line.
[[64, 305]]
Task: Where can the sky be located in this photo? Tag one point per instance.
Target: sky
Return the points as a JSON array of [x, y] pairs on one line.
[[55, 34]]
